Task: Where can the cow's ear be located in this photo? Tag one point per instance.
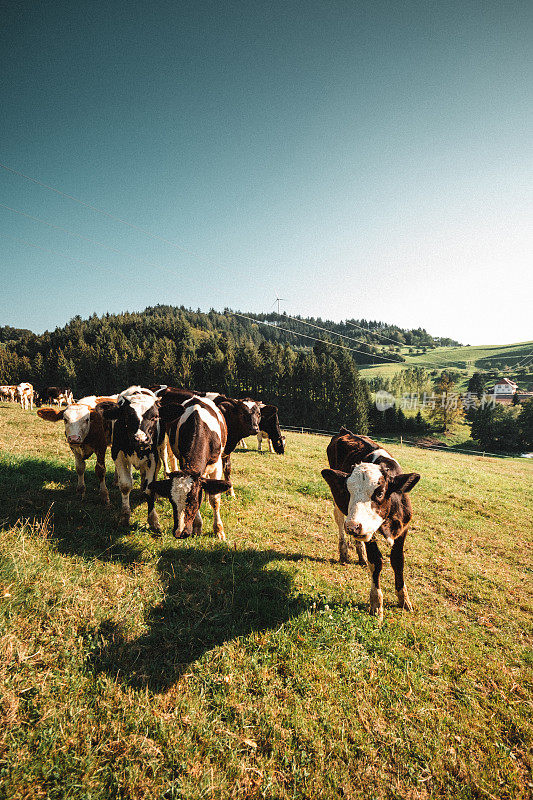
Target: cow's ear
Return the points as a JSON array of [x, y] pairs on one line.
[[212, 486], [50, 414], [161, 488], [170, 412], [336, 481], [403, 483]]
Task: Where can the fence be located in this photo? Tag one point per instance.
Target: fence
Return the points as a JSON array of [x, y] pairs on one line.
[[411, 443]]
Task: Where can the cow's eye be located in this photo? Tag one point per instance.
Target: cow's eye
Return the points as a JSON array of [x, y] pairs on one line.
[[379, 493]]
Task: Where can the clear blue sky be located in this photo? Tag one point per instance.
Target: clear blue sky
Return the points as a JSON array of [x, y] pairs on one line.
[[362, 159]]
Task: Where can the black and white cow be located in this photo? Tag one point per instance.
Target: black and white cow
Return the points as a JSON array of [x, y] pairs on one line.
[[269, 429], [242, 419], [197, 434], [56, 395], [370, 496], [136, 440]]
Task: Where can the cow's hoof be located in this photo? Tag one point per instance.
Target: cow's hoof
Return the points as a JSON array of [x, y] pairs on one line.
[[183, 535], [344, 558], [219, 533], [404, 600], [197, 531], [376, 604], [124, 520]]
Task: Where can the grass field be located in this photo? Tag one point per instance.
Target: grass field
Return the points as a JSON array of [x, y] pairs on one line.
[[134, 667], [475, 357]]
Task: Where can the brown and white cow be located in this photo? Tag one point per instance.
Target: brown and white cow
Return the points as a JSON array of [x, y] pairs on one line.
[[197, 433], [24, 395], [56, 395], [8, 393], [87, 433], [370, 496]]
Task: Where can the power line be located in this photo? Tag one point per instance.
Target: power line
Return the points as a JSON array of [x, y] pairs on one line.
[[305, 336], [334, 333], [105, 213], [81, 236]]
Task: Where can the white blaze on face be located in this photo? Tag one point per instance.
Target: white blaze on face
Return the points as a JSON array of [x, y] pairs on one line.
[[77, 419], [362, 484], [180, 489]]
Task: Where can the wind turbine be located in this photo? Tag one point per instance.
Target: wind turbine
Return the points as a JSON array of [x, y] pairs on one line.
[[277, 300]]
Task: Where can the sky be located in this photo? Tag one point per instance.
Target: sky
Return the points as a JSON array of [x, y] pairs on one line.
[[358, 159]]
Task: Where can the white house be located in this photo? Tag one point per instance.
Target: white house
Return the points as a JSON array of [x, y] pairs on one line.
[[503, 388]]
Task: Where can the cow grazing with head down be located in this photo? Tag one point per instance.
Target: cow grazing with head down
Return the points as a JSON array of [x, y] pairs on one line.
[[56, 395], [8, 393], [136, 441], [87, 433], [370, 496], [197, 434], [269, 429]]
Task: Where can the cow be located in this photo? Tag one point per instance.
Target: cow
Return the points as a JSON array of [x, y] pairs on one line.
[[242, 419], [8, 393], [370, 495], [24, 395], [269, 429], [58, 395], [87, 433], [198, 434], [136, 441]]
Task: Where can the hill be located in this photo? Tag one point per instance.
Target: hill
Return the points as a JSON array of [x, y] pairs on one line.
[[133, 667]]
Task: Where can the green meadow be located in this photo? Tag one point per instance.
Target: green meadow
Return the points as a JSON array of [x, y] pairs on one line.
[[141, 667]]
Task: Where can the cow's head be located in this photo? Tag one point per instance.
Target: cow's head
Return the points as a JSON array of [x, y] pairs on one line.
[[365, 496], [184, 490], [270, 425], [77, 419], [242, 416], [136, 417]]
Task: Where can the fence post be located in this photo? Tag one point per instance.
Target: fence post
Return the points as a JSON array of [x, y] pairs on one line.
[[401, 439], [302, 430]]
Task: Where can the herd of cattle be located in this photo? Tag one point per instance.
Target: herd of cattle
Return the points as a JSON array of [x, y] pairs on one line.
[[194, 434], [27, 396]]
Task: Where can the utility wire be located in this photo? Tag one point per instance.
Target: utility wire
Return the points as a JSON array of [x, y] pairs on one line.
[[105, 213], [305, 336], [86, 238]]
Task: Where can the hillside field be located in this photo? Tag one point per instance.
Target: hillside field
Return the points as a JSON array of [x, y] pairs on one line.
[[137, 667], [475, 356]]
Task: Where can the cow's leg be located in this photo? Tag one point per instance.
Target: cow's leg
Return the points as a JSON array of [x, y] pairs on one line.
[[396, 560], [150, 475], [243, 444], [375, 563], [163, 455], [125, 482], [361, 554], [218, 527], [172, 460], [80, 470], [270, 448], [197, 524], [259, 441], [344, 544], [226, 471], [100, 474]]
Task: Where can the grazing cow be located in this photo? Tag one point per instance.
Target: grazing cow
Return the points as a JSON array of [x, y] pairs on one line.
[[197, 433], [136, 441], [242, 419], [269, 429], [370, 495], [58, 396], [8, 393], [24, 395], [87, 432]]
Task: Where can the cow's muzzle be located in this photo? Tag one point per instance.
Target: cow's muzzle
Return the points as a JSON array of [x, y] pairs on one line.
[[74, 439]]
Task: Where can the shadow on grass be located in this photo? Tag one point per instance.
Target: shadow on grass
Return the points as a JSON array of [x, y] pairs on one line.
[[30, 487], [211, 596]]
